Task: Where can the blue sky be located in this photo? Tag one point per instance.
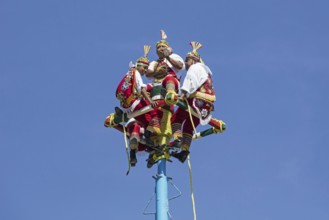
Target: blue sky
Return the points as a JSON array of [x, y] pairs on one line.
[[60, 62]]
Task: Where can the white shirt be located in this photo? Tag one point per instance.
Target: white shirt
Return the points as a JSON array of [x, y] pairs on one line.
[[139, 82], [196, 75], [173, 56]]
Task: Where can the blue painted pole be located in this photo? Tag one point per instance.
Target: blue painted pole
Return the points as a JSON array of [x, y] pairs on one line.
[[161, 189]]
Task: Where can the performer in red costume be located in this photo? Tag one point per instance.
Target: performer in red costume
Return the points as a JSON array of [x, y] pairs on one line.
[[198, 91], [132, 94], [164, 73]]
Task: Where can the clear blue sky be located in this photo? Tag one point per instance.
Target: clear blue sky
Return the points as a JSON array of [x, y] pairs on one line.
[[60, 62]]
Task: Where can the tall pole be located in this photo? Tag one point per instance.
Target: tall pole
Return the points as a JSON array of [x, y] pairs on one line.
[[161, 190]]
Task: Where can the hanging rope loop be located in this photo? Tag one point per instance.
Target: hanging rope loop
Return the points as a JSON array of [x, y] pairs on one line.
[[126, 145], [189, 164]]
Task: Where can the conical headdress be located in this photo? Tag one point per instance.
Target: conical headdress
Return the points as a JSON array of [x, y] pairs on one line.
[[194, 53], [144, 60], [163, 40]]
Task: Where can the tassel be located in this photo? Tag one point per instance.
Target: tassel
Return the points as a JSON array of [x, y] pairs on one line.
[[146, 50], [195, 45]]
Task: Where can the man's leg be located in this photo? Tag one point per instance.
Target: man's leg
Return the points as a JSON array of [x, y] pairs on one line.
[[134, 130], [187, 138], [177, 120]]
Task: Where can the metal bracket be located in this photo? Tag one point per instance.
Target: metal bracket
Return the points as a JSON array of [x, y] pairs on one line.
[[179, 192], [169, 179], [148, 203]]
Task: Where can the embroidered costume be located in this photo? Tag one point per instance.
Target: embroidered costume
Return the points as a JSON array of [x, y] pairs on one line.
[[198, 88], [165, 79], [131, 92]]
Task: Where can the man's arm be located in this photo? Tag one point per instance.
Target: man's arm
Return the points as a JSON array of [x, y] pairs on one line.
[[176, 63], [183, 95], [147, 97], [151, 72]]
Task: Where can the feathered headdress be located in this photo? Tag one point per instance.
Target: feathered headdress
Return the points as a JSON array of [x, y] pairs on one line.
[[163, 40], [144, 60], [194, 53]]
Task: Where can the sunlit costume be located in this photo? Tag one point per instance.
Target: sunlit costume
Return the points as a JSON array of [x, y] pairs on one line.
[[165, 76], [200, 94], [132, 94]]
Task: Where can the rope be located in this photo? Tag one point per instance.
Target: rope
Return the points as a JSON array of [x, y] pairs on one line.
[[126, 145], [191, 187], [190, 113], [189, 165]]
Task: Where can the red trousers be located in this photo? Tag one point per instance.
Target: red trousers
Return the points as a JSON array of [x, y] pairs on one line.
[[146, 118], [134, 129], [182, 116]]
